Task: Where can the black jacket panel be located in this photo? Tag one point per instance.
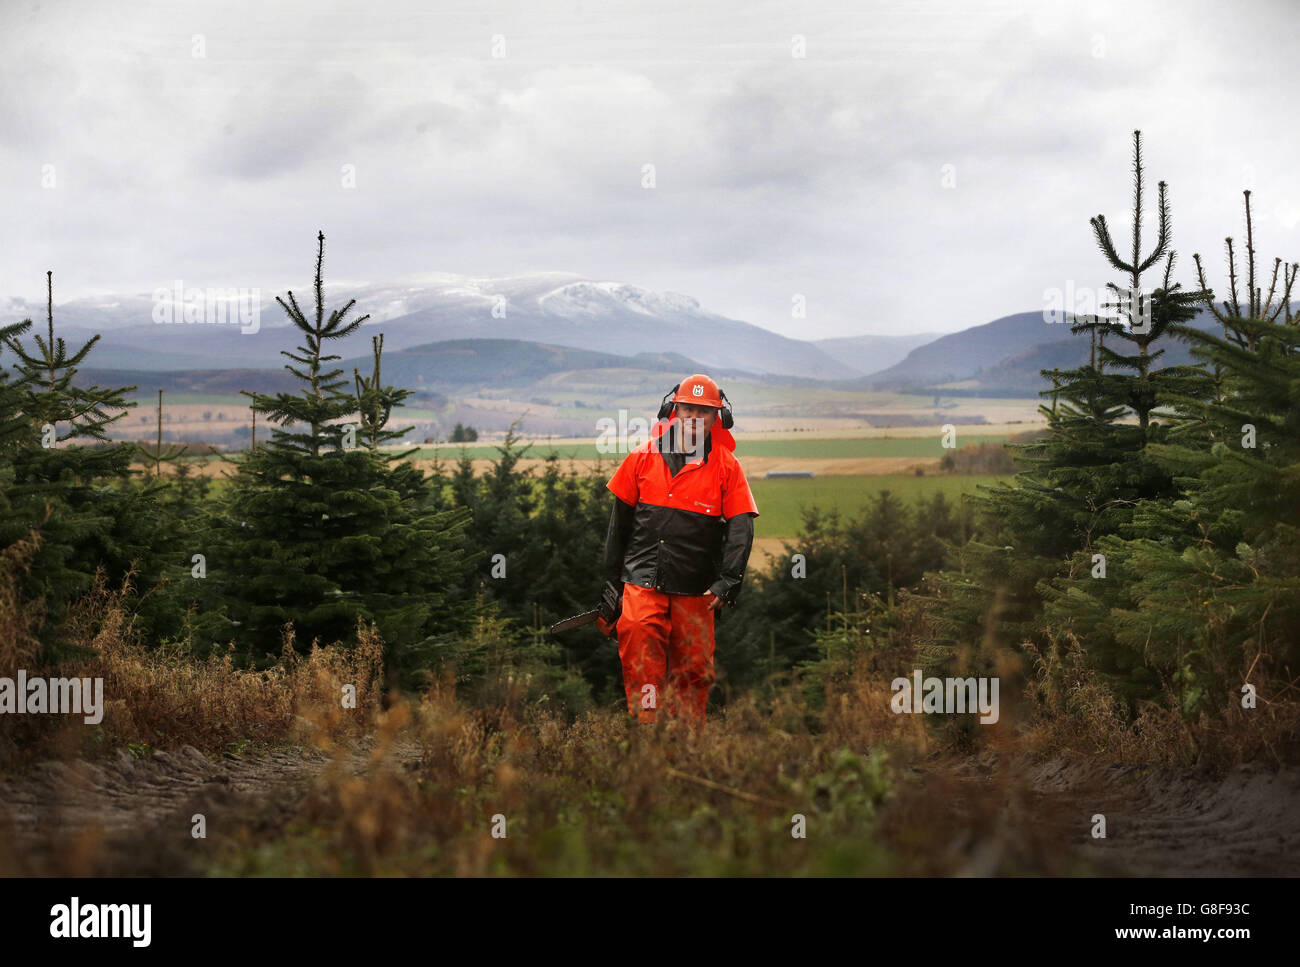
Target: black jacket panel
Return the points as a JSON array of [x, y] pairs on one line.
[[737, 541], [621, 519], [674, 551]]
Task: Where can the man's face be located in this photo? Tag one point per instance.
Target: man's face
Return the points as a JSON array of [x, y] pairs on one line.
[[696, 422]]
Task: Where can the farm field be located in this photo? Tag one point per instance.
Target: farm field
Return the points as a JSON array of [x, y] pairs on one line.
[[864, 451], [849, 447], [771, 413], [781, 502]]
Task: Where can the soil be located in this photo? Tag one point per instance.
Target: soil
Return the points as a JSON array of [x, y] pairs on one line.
[[1172, 822], [129, 815]]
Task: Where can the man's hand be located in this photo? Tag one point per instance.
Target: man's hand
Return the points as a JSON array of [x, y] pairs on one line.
[[715, 602], [611, 602]]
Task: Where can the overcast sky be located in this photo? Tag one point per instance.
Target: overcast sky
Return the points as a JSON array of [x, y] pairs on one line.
[[775, 175]]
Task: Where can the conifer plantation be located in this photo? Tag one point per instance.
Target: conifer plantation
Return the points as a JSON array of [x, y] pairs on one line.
[[1150, 534], [67, 489], [1135, 588], [322, 529]]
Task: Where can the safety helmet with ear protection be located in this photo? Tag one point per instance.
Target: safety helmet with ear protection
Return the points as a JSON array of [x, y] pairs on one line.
[[701, 391]]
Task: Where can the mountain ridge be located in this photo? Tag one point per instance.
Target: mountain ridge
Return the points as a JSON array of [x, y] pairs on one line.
[[553, 308]]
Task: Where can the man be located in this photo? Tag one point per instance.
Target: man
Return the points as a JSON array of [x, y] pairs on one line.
[[679, 539]]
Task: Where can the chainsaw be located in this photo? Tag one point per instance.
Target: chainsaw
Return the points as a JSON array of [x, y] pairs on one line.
[[577, 621], [605, 617]]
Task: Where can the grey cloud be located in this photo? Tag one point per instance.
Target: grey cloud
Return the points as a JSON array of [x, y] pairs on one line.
[[774, 175]]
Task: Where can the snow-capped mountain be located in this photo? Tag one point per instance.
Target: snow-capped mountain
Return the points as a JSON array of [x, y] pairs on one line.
[[559, 308]]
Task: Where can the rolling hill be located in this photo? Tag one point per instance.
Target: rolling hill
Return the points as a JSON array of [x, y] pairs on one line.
[[558, 309], [870, 354], [507, 362], [1001, 358], [461, 367]]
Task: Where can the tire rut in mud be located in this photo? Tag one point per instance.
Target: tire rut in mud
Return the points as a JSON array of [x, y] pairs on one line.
[[1175, 822], [128, 815]]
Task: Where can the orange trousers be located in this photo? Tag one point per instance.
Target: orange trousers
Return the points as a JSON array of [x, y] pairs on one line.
[[665, 642]]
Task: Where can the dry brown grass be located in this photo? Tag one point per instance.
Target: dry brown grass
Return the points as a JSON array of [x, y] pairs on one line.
[[1072, 712], [168, 697], [20, 624], [20, 620], [880, 793], [604, 794], [608, 795]]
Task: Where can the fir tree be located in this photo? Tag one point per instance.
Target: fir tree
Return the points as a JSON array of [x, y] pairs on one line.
[[181, 516], [320, 526], [161, 456], [1084, 480], [14, 427], [1094, 459], [14, 434], [1237, 327], [79, 497], [886, 550], [1202, 586]]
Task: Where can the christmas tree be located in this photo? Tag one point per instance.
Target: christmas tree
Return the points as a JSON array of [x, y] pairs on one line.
[[320, 526], [1085, 478], [78, 496]]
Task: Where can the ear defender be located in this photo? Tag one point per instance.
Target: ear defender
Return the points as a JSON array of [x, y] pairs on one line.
[[727, 417], [666, 407]]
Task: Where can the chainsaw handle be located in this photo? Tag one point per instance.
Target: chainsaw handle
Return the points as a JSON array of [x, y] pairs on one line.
[[611, 602]]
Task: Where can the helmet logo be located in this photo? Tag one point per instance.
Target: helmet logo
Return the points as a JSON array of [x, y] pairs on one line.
[[697, 390]]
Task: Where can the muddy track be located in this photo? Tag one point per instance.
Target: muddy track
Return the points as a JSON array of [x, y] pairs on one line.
[[1026, 817], [129, 815], [1172, 822], [135, 815]]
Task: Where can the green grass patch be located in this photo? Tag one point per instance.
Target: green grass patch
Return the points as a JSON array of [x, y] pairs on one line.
[[850, 448], [926, 446], [781, 502], [172, 398]]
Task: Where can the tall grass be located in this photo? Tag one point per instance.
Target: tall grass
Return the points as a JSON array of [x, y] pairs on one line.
[[1073, 713], [872, 791], [167, 696]]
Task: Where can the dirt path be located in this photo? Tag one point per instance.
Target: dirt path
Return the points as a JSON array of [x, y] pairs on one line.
[[1171, 822], [134, 815], [1039, 818], [129, 815]]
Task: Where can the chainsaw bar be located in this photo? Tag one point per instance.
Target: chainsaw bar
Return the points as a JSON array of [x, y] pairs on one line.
[[577, 621]]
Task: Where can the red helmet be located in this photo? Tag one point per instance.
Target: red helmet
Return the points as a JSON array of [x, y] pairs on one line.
[[700, 390]]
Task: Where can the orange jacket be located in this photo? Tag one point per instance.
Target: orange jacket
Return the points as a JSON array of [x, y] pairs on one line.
[[680, 527]]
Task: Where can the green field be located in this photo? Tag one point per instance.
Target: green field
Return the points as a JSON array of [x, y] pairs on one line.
[[780, 501], [848, 448], [920, 446], [401, 416], [172, 398]]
